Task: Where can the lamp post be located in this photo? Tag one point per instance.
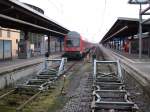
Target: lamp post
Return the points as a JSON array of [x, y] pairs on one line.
[[140, 2]]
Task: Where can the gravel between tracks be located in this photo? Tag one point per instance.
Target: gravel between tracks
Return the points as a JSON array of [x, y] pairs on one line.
[[79, 92], [137, 93]]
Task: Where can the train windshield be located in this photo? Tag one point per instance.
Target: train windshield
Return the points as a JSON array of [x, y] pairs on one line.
[[73, 42]]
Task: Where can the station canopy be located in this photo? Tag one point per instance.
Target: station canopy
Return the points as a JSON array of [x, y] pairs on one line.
[[124, 27], [16, 15]]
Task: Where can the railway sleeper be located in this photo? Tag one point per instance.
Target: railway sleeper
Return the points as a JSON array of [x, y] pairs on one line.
[[47, 77], [35, 87], [50, 72], [110, 95], [108, 86], [108, 79], [119, 106]]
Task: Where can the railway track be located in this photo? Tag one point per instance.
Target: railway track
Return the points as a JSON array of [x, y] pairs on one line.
[[18, 98], [109, 94], [106, 91]]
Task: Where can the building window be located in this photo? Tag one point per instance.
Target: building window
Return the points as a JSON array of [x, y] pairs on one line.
[[8, 33]]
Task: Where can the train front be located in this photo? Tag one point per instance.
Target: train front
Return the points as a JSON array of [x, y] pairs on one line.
[[73, 45]]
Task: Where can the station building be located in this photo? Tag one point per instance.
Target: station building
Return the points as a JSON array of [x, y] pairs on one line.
[[22, 43], [38, 42], [9, 39]]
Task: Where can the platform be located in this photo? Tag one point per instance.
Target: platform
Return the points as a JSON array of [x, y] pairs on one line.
[[15, 64], [140, 68]]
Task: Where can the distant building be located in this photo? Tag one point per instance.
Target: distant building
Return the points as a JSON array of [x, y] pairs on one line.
[[9, 39]]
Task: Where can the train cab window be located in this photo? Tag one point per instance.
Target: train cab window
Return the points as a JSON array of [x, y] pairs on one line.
[[69, 43], [75, 42]]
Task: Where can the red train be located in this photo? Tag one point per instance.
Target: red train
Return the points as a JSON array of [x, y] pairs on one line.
[[74, 46]]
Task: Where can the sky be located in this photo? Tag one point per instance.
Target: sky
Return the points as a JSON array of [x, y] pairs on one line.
[[91, 18]]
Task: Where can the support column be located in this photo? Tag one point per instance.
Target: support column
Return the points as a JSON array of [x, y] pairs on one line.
[[60, 45], [120, 44], [24, 47], [55, 45], [42, 47], [148, 48], [27, 45], [114, 44], [48, 45], [129, 46], [123, 45], [140, 33]]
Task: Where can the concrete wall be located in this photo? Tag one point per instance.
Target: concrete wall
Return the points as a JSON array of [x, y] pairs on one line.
[[11, 78]]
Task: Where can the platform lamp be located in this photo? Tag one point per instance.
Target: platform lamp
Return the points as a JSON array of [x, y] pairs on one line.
[[139, 2]]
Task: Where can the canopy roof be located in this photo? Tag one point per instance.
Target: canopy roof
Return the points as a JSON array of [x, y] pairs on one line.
[[124, 27], [14, 14]]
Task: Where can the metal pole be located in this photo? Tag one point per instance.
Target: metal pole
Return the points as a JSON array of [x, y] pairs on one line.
[[94, 75], [140, 32]]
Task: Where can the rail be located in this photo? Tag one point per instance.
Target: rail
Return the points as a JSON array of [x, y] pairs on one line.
[[109, 90]]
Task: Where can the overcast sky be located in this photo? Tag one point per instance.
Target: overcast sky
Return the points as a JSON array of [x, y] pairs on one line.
[[91, 18]]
